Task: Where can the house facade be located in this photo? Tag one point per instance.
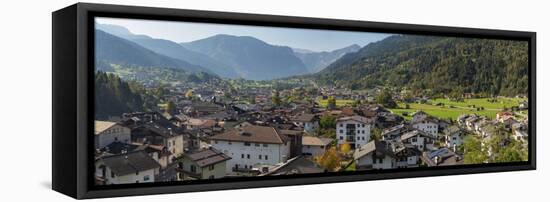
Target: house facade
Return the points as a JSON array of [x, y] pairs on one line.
[[427, 125], [107, 132], [133, 167], [203, 164], [374, 155], [354, 130], [250, 146], [315, 146]]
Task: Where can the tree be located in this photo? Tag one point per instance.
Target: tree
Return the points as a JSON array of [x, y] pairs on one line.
[[375, 133], [330, 160], [276, 99], [512, 152], [473, 151], [189, 94], [170, 107], [385, 99], [331, 102], [327, 121], [345, 147]]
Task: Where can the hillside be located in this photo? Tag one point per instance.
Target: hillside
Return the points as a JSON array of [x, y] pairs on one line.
[[171, 49], [251, 58], [439, 64], [316, 61], [111, 49], [114, 96]]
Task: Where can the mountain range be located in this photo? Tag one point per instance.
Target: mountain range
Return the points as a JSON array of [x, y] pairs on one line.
[[316, 61], [229, 56], [440, 64]]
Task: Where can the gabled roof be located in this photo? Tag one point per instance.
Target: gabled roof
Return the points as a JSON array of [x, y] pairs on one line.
[[452, 130], [378, 146], [129, 163], [101, 126], [305, 117], [252, 133], [315, 141], [296, 165], [413, 133], [207, 157], [357, 118]]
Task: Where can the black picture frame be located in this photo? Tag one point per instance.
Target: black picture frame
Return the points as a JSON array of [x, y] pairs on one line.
[[73, 103]]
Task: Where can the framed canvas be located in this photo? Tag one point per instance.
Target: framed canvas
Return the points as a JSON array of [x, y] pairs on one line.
[[156, 100]]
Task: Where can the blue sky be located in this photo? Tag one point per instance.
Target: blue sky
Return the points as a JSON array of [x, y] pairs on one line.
[[311, 39]]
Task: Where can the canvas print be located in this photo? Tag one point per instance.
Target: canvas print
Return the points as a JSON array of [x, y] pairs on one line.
[[188, 101]]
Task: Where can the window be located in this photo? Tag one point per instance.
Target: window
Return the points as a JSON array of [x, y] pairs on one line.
[[229, 143], [193, 168], [112, 174], [322, 147], [341, 131], [363, 137], [257, 144], [413, 139], [358, 138], [215, 142], [454, 138], [248, 156], [211, 177], [260, 156], [341, 125], [137, 172], [265, 157], [146, 178], [242, 156], [173, 142], [211, 167], [246, 143], [265, 145], [363, 125], [380, 160]]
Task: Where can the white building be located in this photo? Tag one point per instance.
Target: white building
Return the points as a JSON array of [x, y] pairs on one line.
[[374, 155], [308, 121], [420, 139], [354, 130], [406, 155], [315, 146], [250, 146], [107, 132], [419, 116], [133, 167], [427, 125], [454, 137]]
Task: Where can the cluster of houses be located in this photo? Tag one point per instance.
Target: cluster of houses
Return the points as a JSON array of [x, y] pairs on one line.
[[215, 137]]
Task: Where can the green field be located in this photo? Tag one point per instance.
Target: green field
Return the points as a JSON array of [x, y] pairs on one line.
[[451, 109], [339, 103]]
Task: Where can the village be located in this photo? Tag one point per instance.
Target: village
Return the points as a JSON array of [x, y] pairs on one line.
[[210, 131]]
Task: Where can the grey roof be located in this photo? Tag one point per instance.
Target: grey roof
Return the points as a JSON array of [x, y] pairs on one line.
[[207, 157], [444, 157], [252, 133], [413, 133], [357, 118], [378, 146], [452, 130], [304, 118], [297, 165], [128, 163]]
